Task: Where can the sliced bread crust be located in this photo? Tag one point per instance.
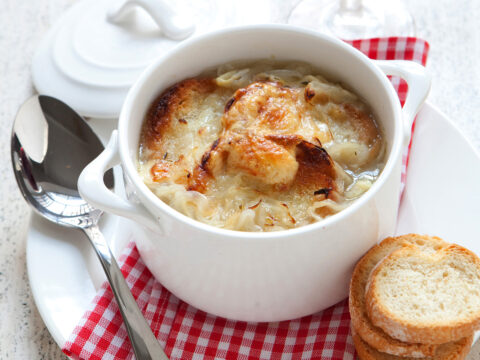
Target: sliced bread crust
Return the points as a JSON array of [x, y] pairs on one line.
[[426, 298], [457, 350], [371, 334]]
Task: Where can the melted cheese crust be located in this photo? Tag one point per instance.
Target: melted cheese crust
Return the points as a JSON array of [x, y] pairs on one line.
[[261, 147]]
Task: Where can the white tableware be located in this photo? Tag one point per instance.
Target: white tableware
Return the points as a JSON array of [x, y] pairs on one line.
[[252, 276], [98, 48], [66, 295]]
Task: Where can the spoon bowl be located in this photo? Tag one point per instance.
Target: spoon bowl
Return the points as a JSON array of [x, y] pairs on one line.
[[48, 156], [50, 146]]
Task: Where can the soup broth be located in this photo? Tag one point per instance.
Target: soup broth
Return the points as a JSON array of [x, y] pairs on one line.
[[260, 146]]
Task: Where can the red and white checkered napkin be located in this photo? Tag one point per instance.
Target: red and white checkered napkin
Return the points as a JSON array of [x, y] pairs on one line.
[[188, 333]]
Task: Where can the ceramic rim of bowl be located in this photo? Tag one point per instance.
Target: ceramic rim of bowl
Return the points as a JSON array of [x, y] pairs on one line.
[[131, 171]]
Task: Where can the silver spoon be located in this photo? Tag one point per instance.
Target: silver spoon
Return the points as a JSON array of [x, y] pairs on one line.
[[51, 144]]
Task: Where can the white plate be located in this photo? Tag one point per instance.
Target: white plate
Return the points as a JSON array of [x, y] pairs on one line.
[[441, 198]]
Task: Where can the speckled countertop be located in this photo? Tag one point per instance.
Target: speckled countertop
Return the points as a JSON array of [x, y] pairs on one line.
[[451, 27]]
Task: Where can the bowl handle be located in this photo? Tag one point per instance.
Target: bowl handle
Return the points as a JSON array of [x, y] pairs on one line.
[[419, 82], [92, 188]]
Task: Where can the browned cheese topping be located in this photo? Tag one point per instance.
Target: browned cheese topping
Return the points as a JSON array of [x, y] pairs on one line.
[[266, 153]]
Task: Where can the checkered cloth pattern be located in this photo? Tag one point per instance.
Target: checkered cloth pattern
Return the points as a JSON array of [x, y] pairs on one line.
[[188, 333]]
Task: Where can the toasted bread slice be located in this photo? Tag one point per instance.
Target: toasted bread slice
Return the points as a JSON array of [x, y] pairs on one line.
[[456, 350], [429, 298], [375, 336]]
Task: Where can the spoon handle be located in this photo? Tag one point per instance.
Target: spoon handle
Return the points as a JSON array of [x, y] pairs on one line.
[[144, 343]]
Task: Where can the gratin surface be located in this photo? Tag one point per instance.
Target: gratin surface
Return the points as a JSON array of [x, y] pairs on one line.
[[259, 148]]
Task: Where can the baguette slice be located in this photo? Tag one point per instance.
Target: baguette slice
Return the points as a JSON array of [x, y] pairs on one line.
[[371, 334], [426, 298], [456, 350]]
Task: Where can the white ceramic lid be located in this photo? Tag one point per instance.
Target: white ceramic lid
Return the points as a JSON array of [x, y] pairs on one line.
[[95, 52]]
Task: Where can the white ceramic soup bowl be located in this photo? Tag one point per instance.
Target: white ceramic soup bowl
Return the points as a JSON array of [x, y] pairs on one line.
[[260, 276]]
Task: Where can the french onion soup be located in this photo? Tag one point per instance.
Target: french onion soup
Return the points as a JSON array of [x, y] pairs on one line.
[[259, 146]]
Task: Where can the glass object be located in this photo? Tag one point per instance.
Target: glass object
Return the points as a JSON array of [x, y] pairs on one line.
[[354, 19]]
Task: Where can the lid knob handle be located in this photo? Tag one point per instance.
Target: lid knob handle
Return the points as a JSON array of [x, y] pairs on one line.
[[174, 26]]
